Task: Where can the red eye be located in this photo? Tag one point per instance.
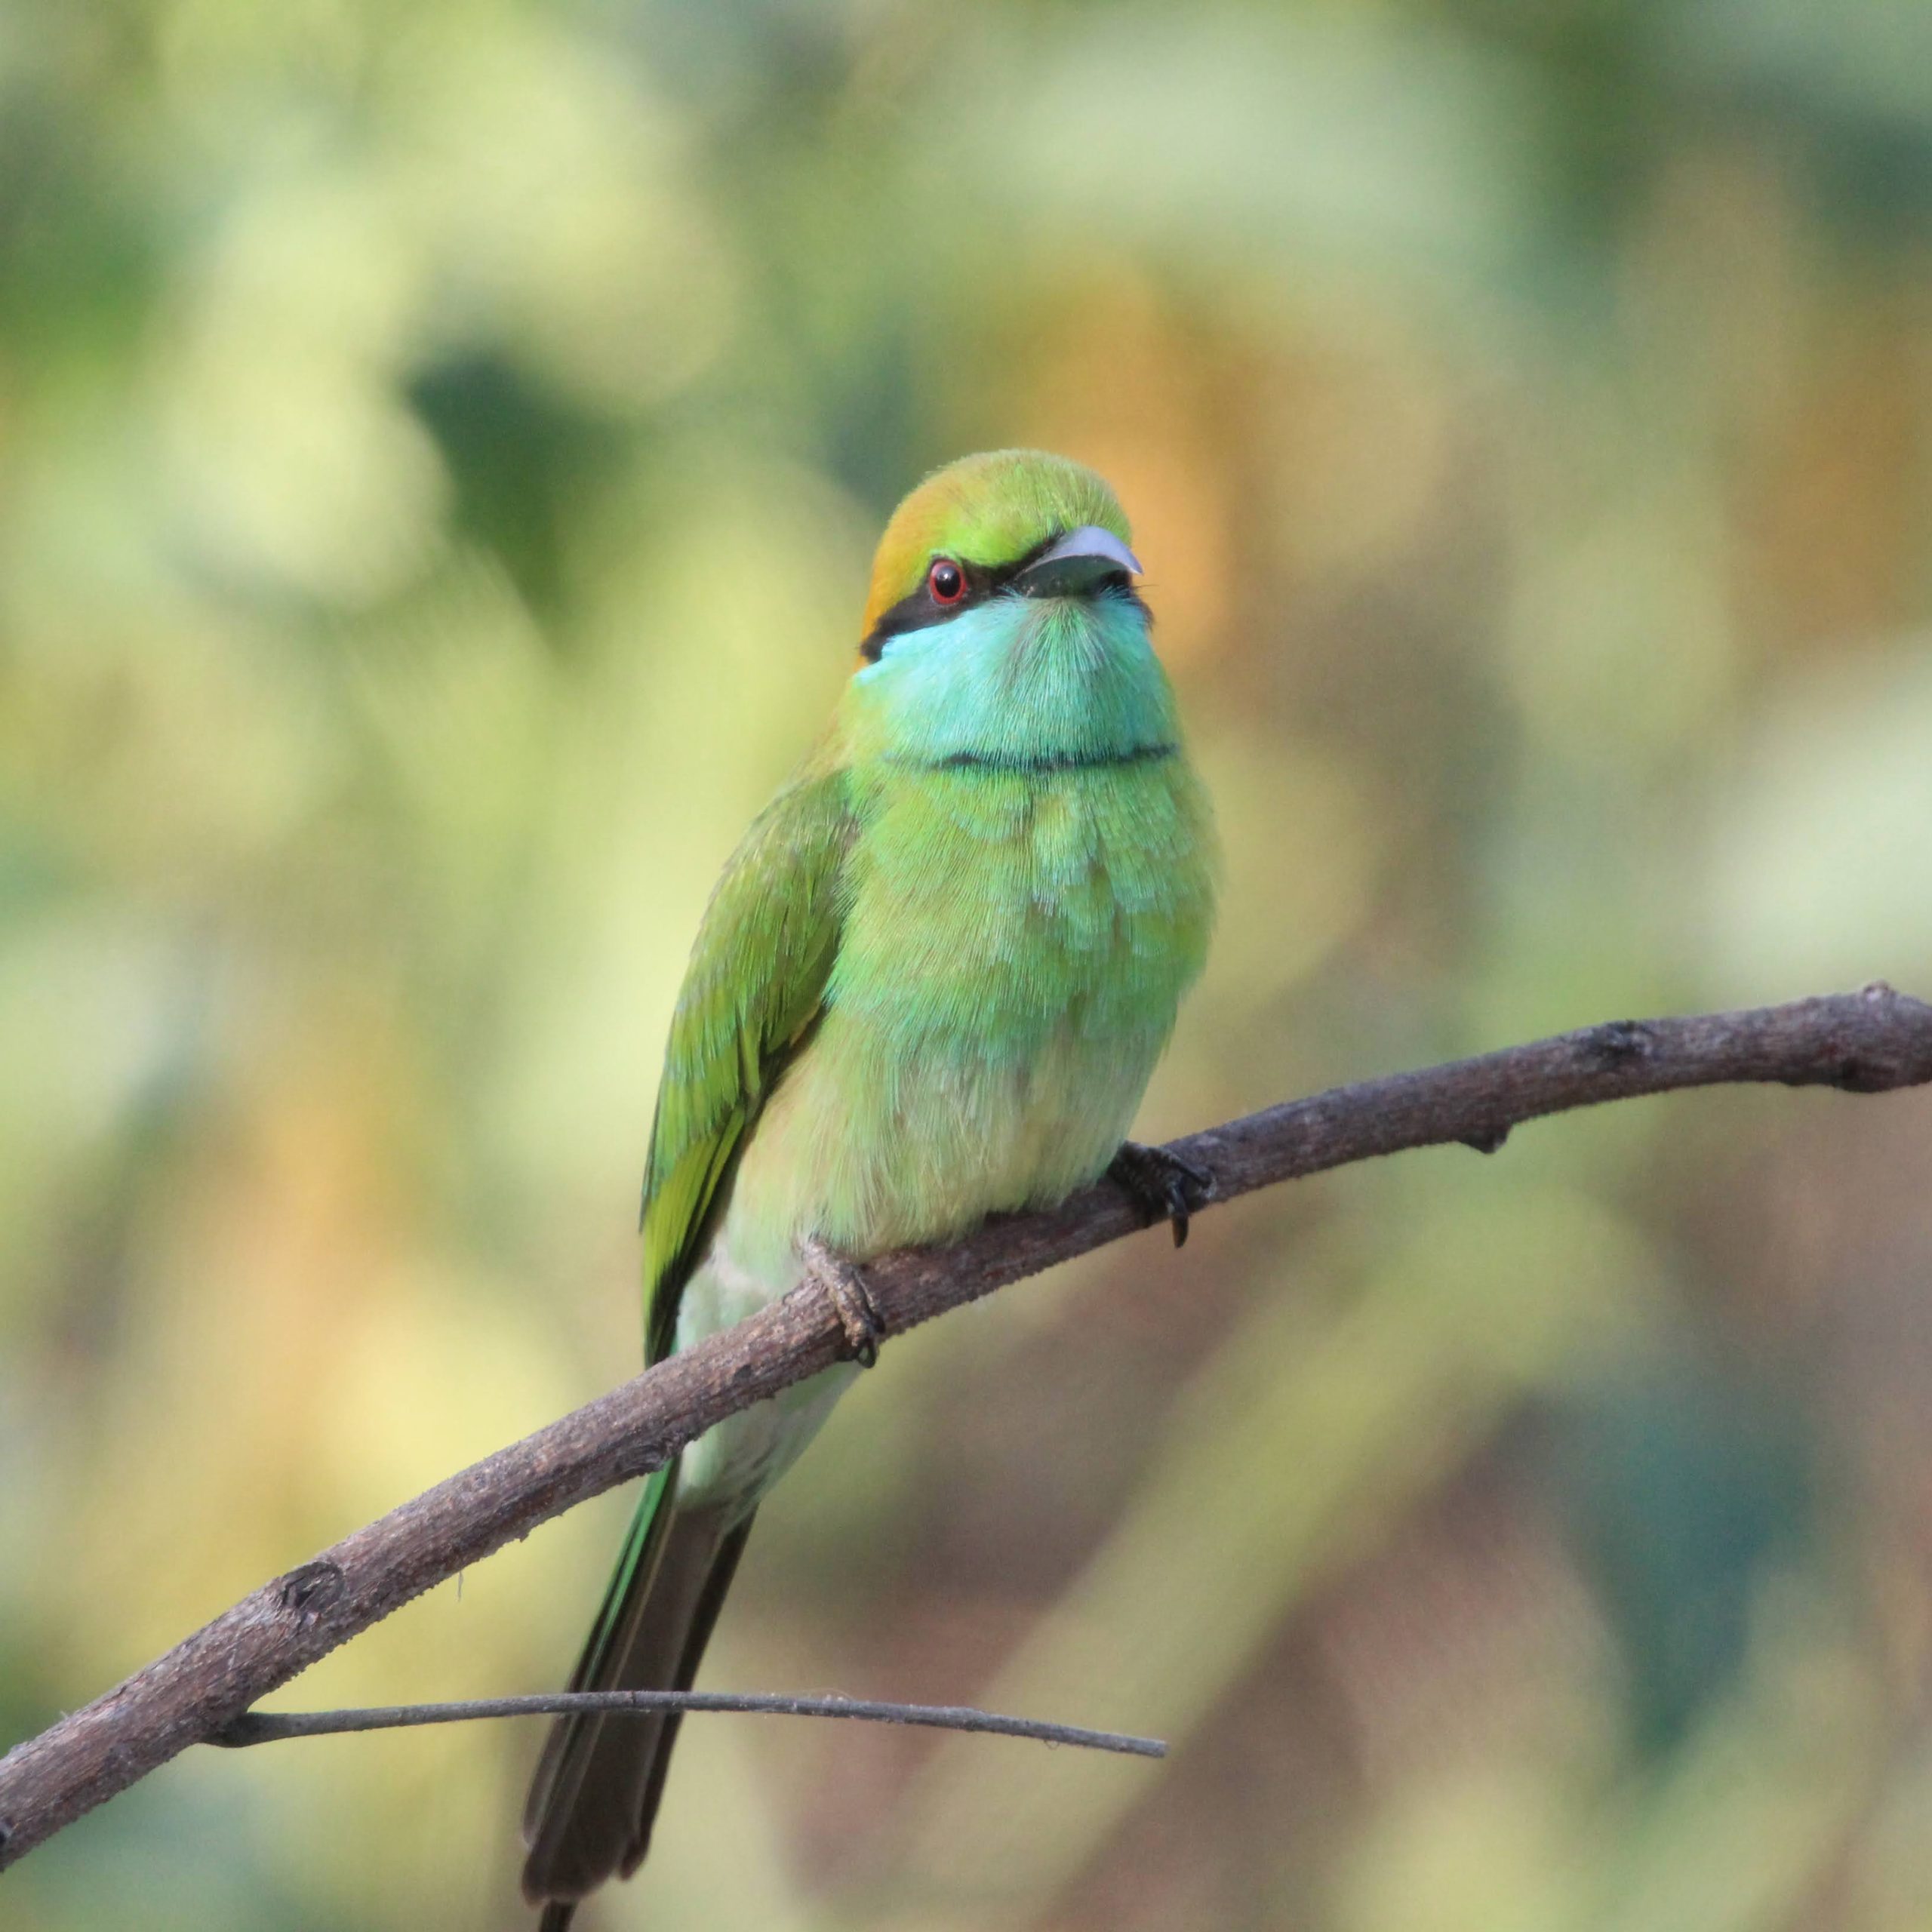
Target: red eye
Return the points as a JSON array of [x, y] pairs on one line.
[[946, 581]]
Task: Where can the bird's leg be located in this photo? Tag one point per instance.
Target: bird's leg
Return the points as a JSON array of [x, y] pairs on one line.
[[1162, 1184], [851, 1299]]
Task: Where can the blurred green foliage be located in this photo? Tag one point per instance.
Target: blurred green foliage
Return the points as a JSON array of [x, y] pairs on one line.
[[440, 448]]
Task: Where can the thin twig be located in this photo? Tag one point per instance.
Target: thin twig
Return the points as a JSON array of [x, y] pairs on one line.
[[270, 1726], [1865, 1042]]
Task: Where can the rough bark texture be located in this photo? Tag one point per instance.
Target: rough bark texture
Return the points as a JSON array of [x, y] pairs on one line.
[[1866, 1042]]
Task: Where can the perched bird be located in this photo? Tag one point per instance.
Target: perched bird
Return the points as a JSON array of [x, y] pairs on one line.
[[931, 986]]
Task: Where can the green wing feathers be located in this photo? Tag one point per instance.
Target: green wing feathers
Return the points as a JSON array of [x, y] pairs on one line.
[[752, 993]]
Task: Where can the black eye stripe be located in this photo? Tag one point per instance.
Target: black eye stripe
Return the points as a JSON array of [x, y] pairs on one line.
[[920, 611]]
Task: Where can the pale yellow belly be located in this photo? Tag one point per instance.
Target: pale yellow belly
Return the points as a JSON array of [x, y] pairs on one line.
[[746, 1453]]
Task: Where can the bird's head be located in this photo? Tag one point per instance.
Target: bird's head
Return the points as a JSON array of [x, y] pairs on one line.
[[1003, 627]]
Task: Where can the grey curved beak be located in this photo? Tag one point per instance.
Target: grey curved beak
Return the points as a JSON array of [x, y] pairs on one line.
[[1080, 561]]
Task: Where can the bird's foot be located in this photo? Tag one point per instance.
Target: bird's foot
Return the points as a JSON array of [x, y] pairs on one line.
[[851, 1301], [1163, 1185]]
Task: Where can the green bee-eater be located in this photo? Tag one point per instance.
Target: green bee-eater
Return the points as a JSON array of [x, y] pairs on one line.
[[931, 986]]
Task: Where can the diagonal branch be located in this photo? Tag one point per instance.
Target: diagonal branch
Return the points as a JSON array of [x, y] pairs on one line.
[[1865, 1042]]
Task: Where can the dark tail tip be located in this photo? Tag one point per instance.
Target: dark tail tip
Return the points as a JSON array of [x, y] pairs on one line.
[[557, 1915]]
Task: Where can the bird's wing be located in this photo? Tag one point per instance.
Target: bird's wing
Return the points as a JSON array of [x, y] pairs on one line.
[[752, 993]]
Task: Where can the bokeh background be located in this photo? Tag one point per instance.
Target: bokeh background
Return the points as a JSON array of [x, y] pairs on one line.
[[440, 450]]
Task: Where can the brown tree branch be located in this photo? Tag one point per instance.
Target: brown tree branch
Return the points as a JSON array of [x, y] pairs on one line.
[[1866, 1042]]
